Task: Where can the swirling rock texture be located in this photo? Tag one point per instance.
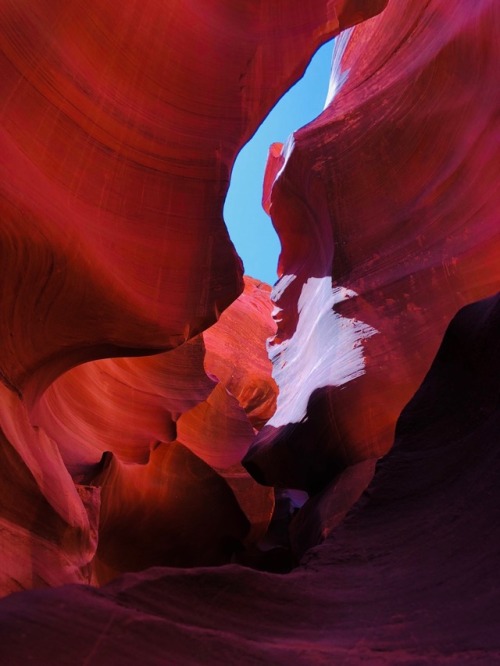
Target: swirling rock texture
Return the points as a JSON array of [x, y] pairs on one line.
[[119, 130], [153, 445], [387, 208], [117, 141], [126, 410], [410, 577]]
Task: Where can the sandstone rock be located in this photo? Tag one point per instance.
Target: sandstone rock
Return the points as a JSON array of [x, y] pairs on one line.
[[410, 576], [386, 207]]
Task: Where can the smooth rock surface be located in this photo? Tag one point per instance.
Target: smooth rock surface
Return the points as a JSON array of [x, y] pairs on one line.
[[410, 577], [118, 131], [133, 370], [117, 141], [387, 210]]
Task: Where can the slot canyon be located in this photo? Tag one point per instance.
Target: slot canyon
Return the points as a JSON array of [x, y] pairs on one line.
[[197, 467]]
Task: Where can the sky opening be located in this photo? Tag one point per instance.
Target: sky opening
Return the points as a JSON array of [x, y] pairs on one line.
[[250, 229]]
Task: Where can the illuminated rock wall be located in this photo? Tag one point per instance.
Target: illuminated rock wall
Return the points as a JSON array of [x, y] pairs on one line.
[[118, 134], [387, 209], [410, 577], [135, 378]]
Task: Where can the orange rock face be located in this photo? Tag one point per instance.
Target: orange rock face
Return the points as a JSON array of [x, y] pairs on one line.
[[118, 134], [139, 408], [387, 210], [119, 130], [154, 445], [411, 576]]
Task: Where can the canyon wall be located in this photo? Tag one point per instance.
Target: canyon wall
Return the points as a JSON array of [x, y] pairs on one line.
[[147, 437]]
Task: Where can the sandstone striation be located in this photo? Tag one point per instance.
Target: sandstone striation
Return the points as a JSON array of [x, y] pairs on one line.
[[150, 444], [387, 210], [409, 577]]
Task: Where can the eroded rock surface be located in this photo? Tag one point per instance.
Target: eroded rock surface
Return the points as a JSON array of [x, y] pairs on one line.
[[410, 577], [387, 209], [117, 140], [133, 365]]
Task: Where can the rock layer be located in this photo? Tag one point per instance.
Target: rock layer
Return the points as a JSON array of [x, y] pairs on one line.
[[153, 445], [410, 577], [387, 210], [117, 142], [118, 135]]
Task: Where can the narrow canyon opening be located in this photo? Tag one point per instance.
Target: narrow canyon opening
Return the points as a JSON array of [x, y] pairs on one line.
[[249, 227], [258, 245]]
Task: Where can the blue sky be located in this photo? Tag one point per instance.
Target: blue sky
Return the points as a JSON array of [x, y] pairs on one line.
[[250, 228]]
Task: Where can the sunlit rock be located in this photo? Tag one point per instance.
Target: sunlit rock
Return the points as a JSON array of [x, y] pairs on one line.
[[119, 131], [410, 576], [173, 435], [389, 196], [133, 363]]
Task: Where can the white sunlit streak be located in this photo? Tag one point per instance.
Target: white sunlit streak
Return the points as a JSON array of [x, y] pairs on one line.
[[338, 76], [325, 350]]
